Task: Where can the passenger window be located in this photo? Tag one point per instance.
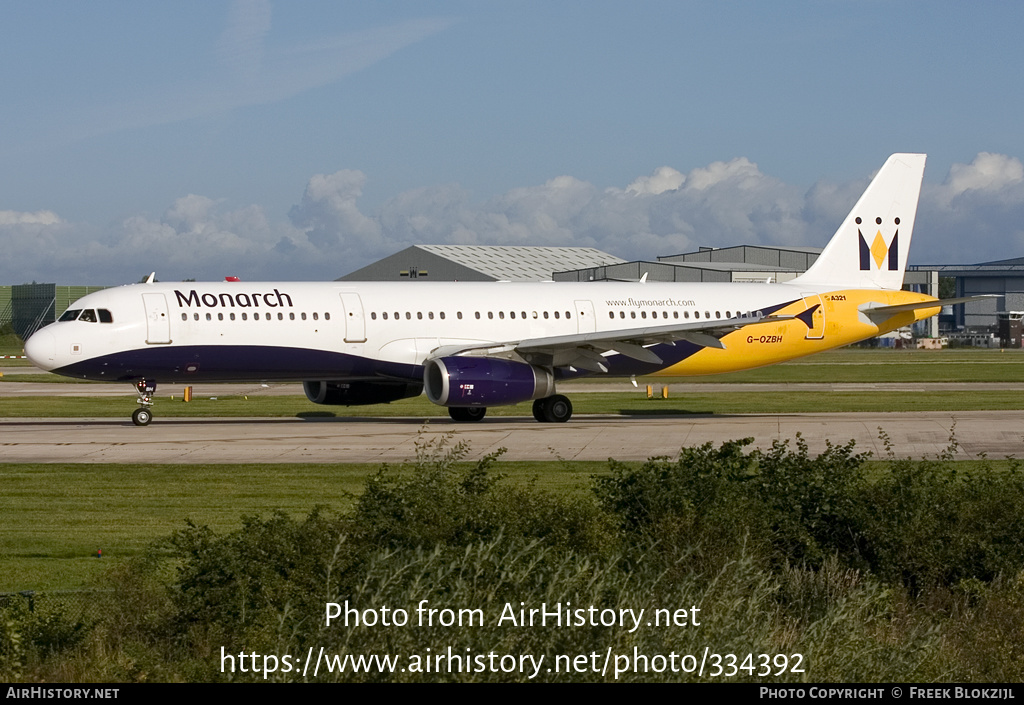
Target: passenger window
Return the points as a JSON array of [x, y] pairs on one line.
[[490, 314], [232, 316], [291, 316], [184, 316], [327, 315], [419, 315], [512, 314], [209, 316], [441, 314], [545, 315], [501, 315], [556, 314], [303, 315], [245, 317], [255, 316], [373, 316], [316, 316], [280, 316], [220, 316]]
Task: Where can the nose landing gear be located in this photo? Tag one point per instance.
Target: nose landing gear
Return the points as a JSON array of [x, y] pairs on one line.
[[143, 415]]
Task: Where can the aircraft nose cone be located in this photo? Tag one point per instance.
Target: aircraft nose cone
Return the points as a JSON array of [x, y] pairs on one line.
[[41, 349]]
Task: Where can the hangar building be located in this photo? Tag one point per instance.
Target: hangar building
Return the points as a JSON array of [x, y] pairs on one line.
[[480, 263]]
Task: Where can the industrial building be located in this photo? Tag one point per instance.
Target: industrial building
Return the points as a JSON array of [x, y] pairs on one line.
[[744, 263], [1003, 278], [480, 263], [28, 307]]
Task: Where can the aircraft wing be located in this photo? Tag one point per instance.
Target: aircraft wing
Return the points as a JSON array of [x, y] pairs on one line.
[[584, 350]]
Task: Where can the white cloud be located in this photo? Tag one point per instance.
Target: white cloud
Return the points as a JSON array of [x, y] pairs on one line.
[[976, 214], [8, 218], [330, 216], [990, 172], [663, 179]]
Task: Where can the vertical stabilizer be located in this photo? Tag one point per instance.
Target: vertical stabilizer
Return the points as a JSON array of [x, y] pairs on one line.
[[869, 251]]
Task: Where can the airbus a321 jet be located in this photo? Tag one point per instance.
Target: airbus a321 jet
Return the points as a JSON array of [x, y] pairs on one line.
[[472, 345]]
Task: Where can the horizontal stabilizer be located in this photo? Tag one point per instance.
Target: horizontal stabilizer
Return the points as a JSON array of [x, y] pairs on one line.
[[880, 313]]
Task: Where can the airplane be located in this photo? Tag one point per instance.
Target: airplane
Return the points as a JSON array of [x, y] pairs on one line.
[[473, 345]]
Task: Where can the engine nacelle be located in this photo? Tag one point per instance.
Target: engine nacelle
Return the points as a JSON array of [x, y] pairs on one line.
[[484, 381], [359, 393]]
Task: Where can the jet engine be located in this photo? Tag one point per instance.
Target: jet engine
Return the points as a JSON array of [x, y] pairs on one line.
[[484, 381], [359, 393]]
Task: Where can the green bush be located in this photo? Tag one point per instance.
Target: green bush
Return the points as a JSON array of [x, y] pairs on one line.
[[932, 525], [797, 508], [870, 571]]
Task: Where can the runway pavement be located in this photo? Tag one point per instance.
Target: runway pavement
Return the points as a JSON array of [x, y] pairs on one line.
[[344, 440], [367, 439]]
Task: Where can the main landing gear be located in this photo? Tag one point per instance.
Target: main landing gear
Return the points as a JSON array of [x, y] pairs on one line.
[[553, 409], [143, 415], [467, 413]]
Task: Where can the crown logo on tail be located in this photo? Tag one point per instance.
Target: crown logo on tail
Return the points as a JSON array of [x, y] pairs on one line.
[[878, 250]]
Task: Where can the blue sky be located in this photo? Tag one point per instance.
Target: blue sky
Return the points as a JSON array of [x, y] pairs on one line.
[[303, 140]]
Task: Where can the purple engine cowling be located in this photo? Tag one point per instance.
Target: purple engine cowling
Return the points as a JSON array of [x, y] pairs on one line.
[[484, 381], [359, 393]]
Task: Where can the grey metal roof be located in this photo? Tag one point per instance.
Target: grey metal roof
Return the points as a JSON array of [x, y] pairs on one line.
[[522, 263], [987, 268]]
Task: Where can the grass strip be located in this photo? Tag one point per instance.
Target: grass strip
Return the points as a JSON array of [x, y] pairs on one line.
[[56, 517]]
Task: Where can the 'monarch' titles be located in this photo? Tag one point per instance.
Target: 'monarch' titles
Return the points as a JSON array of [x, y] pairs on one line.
[[270, 300]]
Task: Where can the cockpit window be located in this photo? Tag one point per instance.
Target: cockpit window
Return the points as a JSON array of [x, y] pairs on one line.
[[71, 314], [88, 315], [105, 316]]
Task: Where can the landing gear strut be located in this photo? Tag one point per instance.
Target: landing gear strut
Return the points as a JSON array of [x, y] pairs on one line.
[[143, 415], [467, 413], [553, 409]]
